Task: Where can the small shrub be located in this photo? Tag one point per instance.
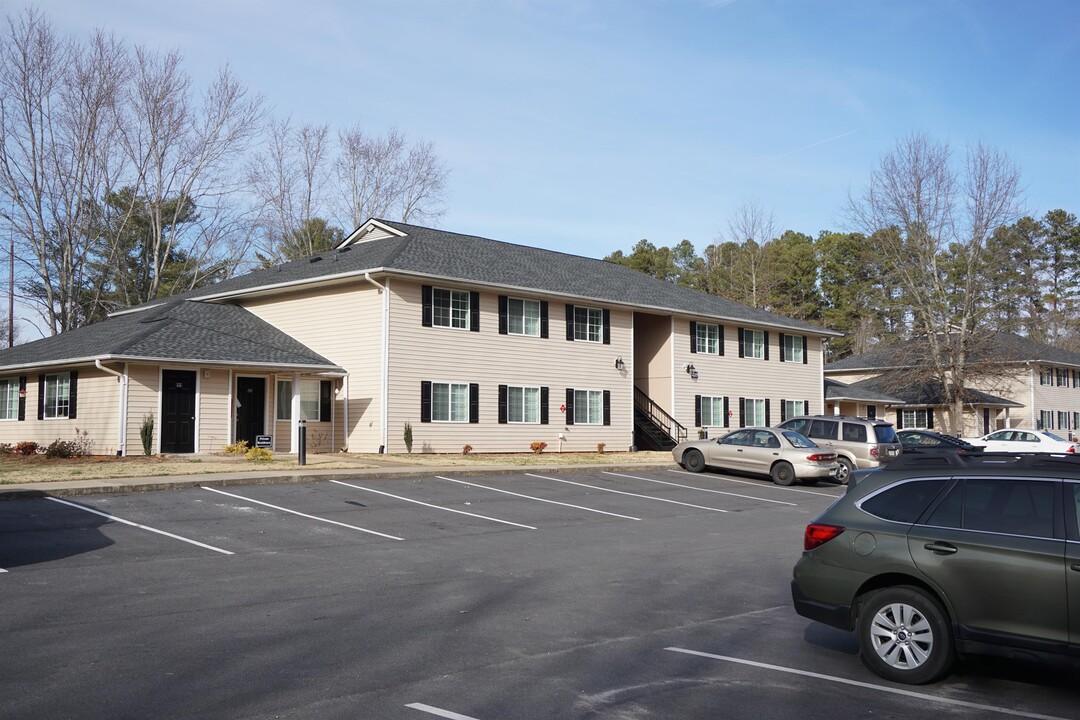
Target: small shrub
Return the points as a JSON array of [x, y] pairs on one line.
[[466, 449], [146, 434], [258, 454], [600, 448], [407, 436], [26, 447], [6, 449], [538, 447], [60, 449], [240, 447], [84, 445]]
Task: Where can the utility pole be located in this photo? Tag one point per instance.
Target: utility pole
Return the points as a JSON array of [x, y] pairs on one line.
[[11, 286]]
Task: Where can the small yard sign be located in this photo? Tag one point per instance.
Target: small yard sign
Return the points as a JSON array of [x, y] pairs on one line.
[[264, 441]]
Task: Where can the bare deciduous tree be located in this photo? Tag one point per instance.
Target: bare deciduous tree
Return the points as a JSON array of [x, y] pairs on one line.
[[933, 222], [749, 229]]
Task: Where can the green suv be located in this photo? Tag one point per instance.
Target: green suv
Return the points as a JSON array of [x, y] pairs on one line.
[[935, 555]]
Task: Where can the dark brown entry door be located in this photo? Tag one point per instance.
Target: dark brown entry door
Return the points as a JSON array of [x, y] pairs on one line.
[[250, 408], [177, 411]]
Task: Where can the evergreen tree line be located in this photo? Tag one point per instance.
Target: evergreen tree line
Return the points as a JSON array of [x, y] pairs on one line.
[[1029, 280]]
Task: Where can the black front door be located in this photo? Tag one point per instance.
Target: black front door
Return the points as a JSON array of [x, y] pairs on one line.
[[177, 411], [250, 408]]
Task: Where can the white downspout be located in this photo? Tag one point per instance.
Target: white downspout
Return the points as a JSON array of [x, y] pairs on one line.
[[121, 427], [1031, 385], [294, 423], [345, 420], [384, 410]]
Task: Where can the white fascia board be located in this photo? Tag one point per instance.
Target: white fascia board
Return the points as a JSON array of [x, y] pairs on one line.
[[269, 289], [328, 370]]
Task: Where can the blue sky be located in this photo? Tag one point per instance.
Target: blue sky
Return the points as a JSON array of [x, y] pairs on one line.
[[584, 126]]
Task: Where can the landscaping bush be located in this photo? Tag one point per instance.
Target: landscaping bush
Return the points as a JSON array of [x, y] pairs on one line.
[[61, 449], [537, 447], [26, 447], [6, 449], [466, 449], [258, 454], [82, 443], [146, 434], [407, 437], [240, 447]]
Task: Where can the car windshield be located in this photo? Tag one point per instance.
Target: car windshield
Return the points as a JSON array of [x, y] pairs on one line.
[[799, 441], [1052, 436], [885, 433]]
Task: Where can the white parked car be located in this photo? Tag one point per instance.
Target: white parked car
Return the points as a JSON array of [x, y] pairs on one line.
[[1032, 441]]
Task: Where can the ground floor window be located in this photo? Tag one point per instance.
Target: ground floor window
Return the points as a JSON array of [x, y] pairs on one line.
[[588, 407], [712, 411], [1063, 420], [523, 404], [1046, 420], [9, 399], [449, 402], [57, 395], [310, 397], [754, 412], [794, 408], [916, 419]]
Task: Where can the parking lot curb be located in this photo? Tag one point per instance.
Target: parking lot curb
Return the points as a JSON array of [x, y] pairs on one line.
[[107, 486]]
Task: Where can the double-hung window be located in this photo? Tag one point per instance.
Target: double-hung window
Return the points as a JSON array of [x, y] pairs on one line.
[[523, 317], [793, 348], [754, 412], [588, 324], [523, 404], [1063, 420], [9, 399], [588, 407], [310, 399], [712, 411], [57, 395], [1046, 376], [450, 308], [794, 408], [915, 418], [449, 402], [1062, 377], [753, 344], [707, 338]]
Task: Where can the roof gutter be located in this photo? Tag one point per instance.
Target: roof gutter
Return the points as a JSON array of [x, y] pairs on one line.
[[328, 370]]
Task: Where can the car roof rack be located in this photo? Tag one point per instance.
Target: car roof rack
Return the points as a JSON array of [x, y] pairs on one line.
[[986, 459]]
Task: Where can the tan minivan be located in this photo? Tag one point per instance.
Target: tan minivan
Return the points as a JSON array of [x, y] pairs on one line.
[[859, 443]]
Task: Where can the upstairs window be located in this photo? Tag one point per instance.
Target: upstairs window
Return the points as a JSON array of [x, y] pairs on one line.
[[1046, 376], [793, 348], [450, 308], [588, 324], [707, 338], [523, 317], [753, 344], [1062, 377]]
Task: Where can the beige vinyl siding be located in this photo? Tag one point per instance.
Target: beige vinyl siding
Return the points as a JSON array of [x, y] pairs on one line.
[[96, 413], [143, 384], [344, 325], [731, 376], [450, 355], [214, 416]]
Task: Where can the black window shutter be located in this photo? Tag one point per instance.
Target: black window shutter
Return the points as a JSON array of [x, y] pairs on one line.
[[607, 405], [73, 394], [569, 321], [474, 402], [783, 407], [741, 353], [720, 334], [781, 348], [766, 336], [929, 418], [40, 397], [768, 419], [502, 404], [742, 412], [425, 401], [607, 327], [425, 299], [474, 311], [503, 326], [326, 391], [805, 358], [727, 413], [569, 406], [543, 406], [806, 407], [899, 420], [543, 318], [22, 397], [693, 340], [697, 409]]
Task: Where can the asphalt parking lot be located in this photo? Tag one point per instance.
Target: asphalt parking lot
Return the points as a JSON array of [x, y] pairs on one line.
[[629, 595]]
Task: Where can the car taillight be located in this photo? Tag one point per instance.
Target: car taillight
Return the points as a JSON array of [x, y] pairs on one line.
[[818, 534], [873, 451], [1072, 449], [821, 457]]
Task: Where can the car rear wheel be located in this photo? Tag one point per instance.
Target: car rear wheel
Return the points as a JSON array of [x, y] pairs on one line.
[[783, 473], [844, 473], [693, 461], [904, 636]]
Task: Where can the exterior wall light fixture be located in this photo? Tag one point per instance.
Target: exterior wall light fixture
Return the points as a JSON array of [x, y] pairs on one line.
[[619, 364]]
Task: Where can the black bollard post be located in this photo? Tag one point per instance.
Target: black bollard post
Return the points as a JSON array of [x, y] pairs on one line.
[[301, 444]]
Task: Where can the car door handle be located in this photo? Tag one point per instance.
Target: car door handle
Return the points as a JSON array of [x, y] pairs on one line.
[[1075, 566], [940, 548]]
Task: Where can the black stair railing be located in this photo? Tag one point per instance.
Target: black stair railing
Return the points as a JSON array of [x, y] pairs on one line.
[[658, 416]]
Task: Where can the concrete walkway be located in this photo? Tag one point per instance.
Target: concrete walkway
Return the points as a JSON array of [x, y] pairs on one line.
[[305, 474]]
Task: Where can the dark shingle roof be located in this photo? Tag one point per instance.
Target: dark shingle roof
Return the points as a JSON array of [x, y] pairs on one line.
[[836, 390], [1003, 348], [174, 330], [928, 393]]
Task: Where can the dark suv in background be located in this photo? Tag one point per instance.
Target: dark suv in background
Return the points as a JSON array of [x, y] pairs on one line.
[[859, 443], [945, 553]]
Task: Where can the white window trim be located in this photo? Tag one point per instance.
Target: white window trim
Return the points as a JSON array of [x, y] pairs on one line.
[[468, 309], [915, 424], [746, 418], [712, 417], [450, 401], [748, 344], [45, 390], [600, 325], [588, 392], [795, 347], [14, 382], [509, 315], [523, 388], [805, 408], [288, 407], [698, 337]]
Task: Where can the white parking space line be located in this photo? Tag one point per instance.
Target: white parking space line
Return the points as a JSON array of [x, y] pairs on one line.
[[437, 711], [869, 686], [114, 518], [755, 482], [530, 497], [621, 492], [708, 490], [303, 515], [437, 507]]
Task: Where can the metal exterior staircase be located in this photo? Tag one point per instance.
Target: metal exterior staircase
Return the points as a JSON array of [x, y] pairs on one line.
[[654, 429]]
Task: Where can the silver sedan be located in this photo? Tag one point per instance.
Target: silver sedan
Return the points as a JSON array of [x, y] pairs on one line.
[[783, 455]]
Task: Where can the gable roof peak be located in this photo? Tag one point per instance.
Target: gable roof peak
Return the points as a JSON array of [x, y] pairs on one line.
[[373, 229]]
